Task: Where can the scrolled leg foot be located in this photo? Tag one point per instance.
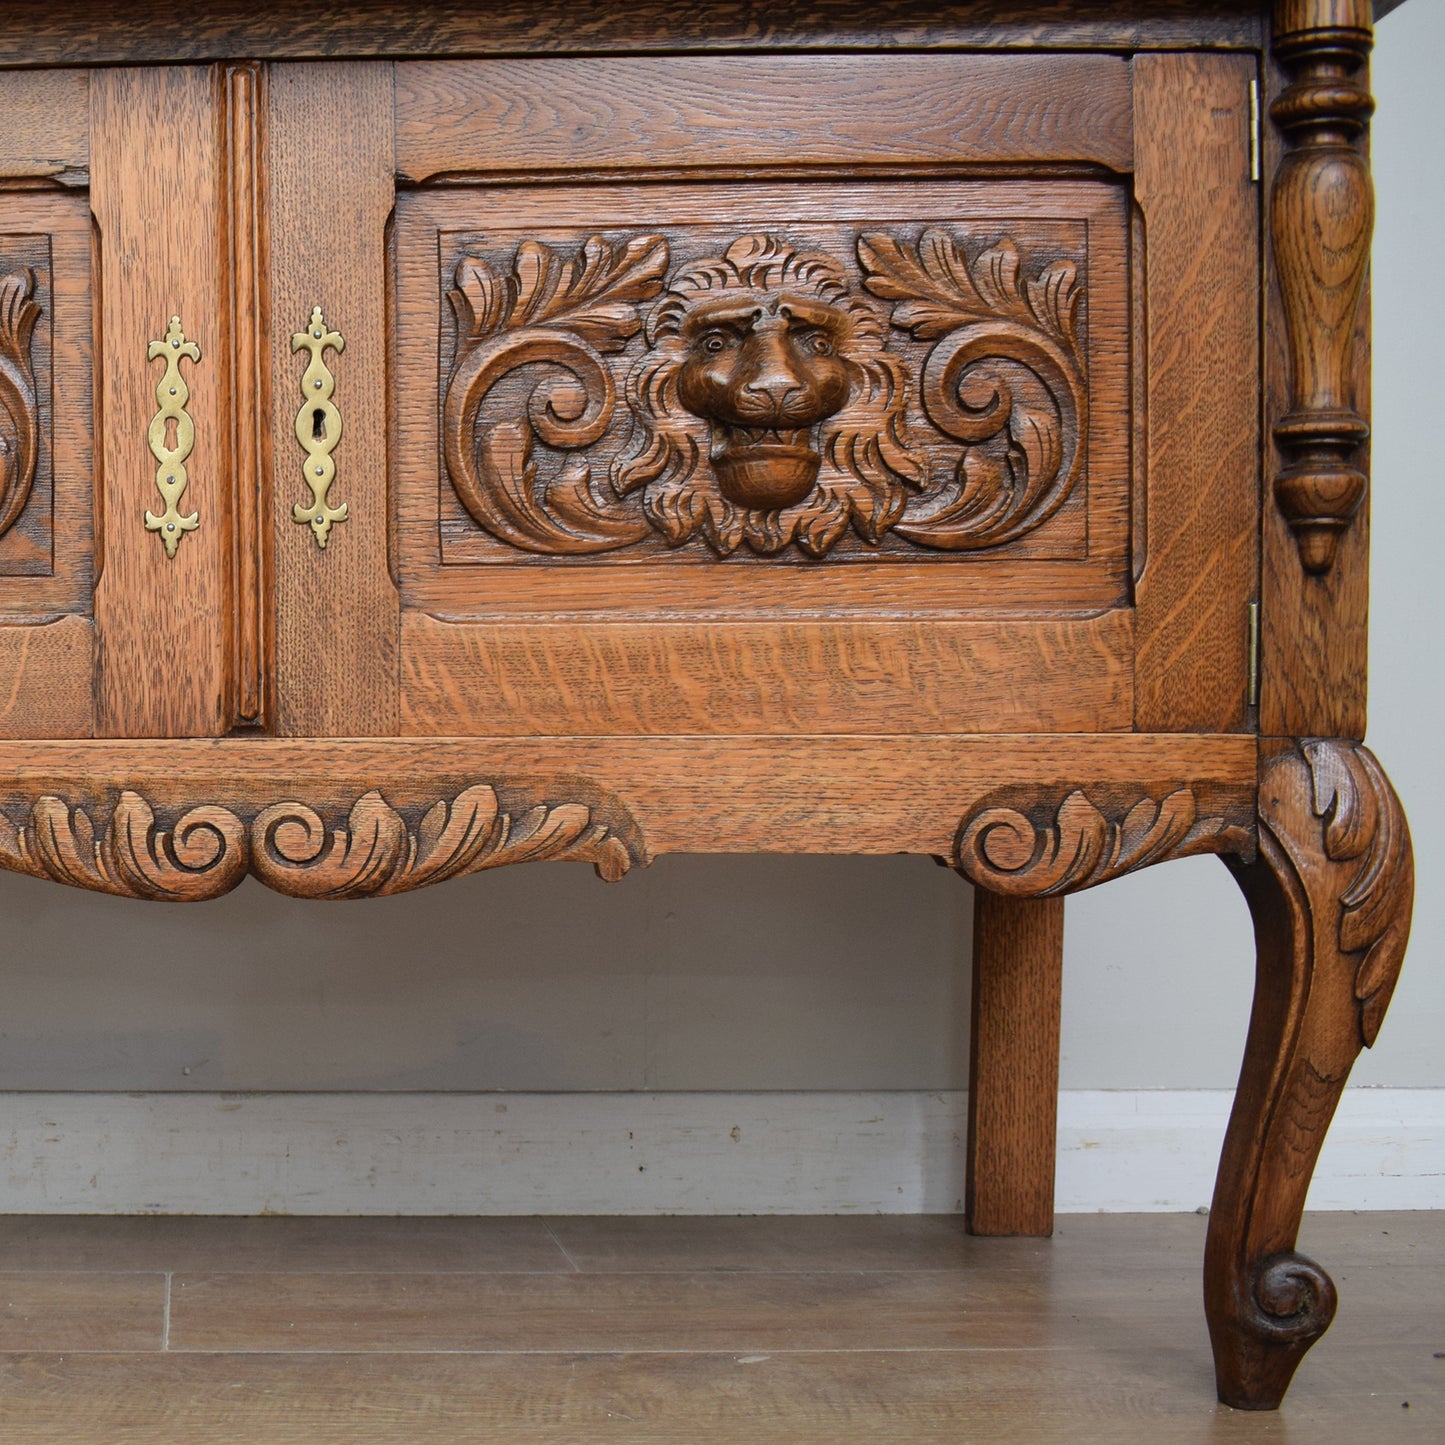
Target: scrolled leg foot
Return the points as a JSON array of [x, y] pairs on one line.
[[1330, 895]]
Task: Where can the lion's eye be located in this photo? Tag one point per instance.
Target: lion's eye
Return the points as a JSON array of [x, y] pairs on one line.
[[818, 344], [714, 342]]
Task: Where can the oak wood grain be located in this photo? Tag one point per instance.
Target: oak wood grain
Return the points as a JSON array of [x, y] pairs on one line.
[[95, 32], [1013, 1063], [698, 794], [1322, 211], [335, 610], [47, 125], [46, 672], [531, 117], [1201, 557], [245, 233], [786, 677], [162, 624]]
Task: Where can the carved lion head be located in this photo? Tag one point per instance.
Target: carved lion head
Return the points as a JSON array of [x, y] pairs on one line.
[[766, 408]]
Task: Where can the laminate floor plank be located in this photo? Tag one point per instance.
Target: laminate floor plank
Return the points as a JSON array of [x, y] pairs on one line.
[[195, 1242], [692, 1311], [1155, 1394], [893, 1242], [587, 1312], [82, 1311], [726, 1332]]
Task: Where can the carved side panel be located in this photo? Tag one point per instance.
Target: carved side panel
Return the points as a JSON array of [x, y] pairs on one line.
[[812, 390], [26, 484], [1322, 218], [125, 844], [1030, 842]]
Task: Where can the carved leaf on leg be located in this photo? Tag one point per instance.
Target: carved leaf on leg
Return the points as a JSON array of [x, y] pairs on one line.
[[19, 410], [1029, 843], [1363, 821]]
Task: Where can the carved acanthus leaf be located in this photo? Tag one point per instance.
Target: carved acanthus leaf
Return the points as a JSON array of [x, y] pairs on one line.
[[1031, 843], [201, 856], [19, 407], [1006, 378], [1362, 829], [562, 317], [374, 849]]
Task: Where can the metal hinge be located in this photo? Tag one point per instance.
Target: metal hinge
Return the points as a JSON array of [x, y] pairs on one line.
[[1254, 654], [1256, 139]]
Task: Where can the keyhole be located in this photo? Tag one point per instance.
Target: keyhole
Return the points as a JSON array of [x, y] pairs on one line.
[[170, 442], [318, 425]]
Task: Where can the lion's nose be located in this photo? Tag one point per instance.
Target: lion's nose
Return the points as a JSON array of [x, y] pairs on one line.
[[773, 378], [777, 386]]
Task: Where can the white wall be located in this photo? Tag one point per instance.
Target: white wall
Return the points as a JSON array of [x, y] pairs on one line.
[[720, 974]]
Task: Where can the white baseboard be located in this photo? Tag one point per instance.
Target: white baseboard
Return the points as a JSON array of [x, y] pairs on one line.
[[798, 1153]]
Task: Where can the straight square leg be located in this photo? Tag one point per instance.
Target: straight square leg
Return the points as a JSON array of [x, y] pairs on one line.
[[1013, 1071]]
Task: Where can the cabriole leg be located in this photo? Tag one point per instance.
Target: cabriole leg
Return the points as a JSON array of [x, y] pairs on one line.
[[1330, 895]]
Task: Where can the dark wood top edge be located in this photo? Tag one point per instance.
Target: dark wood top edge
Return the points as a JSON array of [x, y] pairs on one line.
[[117, 32]]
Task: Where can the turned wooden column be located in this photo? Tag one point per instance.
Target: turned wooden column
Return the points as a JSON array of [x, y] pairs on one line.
[[1322, 217]]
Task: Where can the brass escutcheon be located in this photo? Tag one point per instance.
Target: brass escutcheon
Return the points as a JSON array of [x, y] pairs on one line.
[[318, 427], [171, 449]]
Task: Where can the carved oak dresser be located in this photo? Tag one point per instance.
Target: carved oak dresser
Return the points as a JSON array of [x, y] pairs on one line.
[[436, 436]]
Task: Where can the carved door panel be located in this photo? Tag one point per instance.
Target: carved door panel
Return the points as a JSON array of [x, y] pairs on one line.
[[794, 394], [46, 425]]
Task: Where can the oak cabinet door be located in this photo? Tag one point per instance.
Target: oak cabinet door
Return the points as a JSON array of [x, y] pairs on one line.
[[46, 414], [762, 395], [118, 485]]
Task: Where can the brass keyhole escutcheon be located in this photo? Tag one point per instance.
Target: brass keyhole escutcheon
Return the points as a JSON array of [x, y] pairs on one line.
[[172, 435], [318, 428]]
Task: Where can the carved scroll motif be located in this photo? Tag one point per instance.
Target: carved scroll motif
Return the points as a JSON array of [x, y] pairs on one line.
[[765, 406], [19, 407], [1030, 843], [1322, 215], [1006, 368], [371, 850], [560, 316]]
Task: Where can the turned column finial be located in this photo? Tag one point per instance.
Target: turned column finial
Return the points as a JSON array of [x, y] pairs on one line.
[[1322, 215]]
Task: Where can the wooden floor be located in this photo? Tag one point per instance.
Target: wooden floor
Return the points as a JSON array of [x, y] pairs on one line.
[[685, 1331]]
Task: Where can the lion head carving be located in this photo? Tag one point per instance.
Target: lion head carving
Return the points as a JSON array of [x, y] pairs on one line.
[[767, 410]]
